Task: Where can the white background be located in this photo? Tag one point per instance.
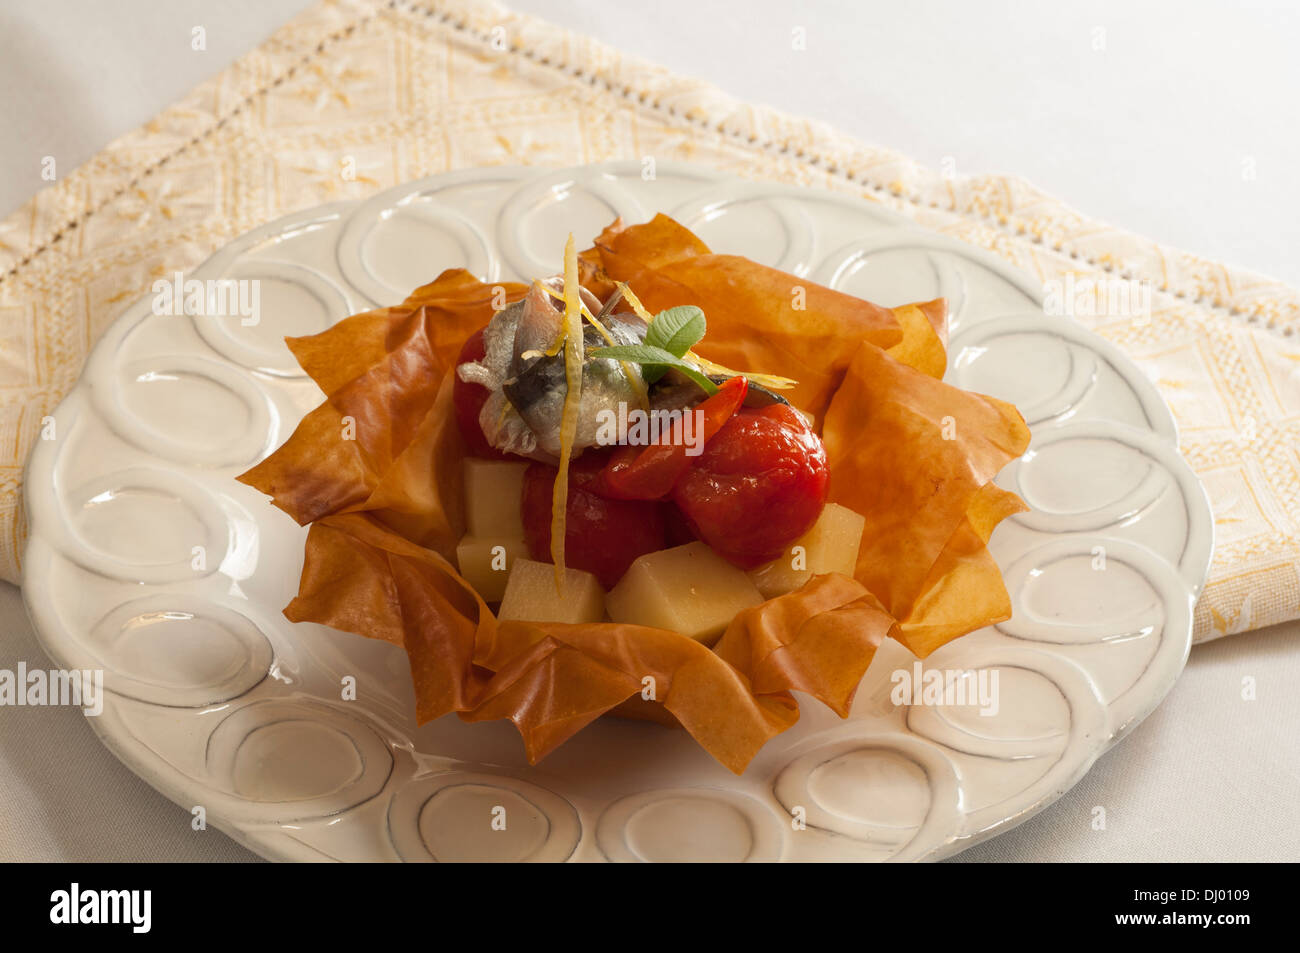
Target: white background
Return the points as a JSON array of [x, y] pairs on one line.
[[1177, 120]]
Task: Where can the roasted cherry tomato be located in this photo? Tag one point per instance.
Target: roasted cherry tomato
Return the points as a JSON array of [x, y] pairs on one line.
[[677, 530], [758, 486], [469, 399], [649, 473], [601, 536]]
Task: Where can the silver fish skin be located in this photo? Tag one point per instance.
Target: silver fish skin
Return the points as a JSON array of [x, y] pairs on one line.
[[501, 424], [537, 387], [525, 408]]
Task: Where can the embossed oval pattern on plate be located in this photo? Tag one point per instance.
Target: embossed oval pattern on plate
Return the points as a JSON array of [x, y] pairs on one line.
[[687, 825], [466, 816], [175, 649]]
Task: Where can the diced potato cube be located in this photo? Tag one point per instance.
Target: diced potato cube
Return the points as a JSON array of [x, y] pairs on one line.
[[531, 595], [830, 546], [493, 493], [689, 589], [485, 563]]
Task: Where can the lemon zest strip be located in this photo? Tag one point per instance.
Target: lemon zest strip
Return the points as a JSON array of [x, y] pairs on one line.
[[573, 360]]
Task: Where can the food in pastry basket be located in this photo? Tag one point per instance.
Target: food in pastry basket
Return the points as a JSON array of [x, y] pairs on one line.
[[664, 481]]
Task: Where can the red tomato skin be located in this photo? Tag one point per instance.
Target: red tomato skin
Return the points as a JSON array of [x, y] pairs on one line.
[[758, 486], [677, 528], [468, 399], [601, 536], [649, 473]]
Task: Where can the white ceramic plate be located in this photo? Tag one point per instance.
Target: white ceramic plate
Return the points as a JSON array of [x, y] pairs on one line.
[[147, 560]]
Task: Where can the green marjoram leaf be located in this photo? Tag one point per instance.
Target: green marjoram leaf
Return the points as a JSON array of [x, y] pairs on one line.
[[647, 355], [676, 330]]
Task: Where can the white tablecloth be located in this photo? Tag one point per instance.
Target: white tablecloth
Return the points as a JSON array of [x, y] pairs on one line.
[[1166, 122]]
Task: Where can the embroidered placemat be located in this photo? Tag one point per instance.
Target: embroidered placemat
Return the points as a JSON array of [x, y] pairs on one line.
[[400, 90]]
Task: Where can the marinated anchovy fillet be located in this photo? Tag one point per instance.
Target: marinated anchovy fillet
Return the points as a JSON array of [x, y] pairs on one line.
[[501, 423], [527, 384]]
